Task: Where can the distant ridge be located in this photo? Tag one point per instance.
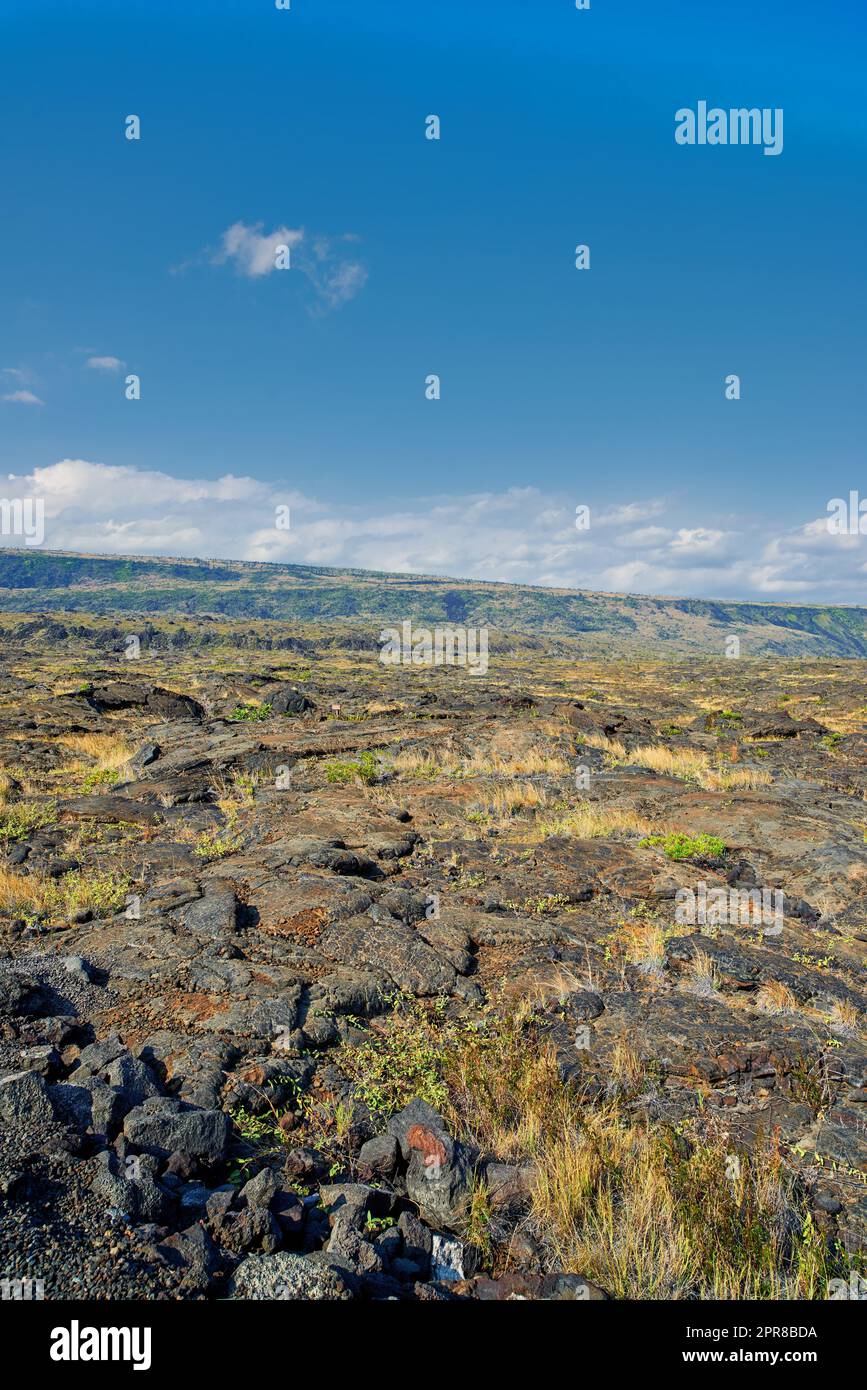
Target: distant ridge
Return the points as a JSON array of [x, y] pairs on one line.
[[600, 624]]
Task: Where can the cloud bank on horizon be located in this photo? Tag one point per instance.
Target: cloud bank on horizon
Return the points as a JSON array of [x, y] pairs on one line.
[[518, 535]]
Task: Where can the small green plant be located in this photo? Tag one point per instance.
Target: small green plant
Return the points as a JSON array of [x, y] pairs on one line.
[[478, 1219], [402, 1058], [539, 907], [428, 771], [375, 1224], [100, 777], [830, 741], [240, 1170], [101, 894], [360, 769], [245, 784], [23, 817], [249, 711], [263, 1131], [679, 846], [219, 843]]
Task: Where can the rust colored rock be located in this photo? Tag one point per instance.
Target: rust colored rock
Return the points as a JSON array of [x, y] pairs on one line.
[[427, 1143]]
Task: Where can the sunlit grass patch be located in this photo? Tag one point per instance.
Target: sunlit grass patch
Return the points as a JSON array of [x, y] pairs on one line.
[[644, 1215], [361, 769], [736, 778], [415, 764], [102, 760], [690, 763], [218, 843], [32, 895], [593, 822], [642, 943], [19, 819], [616, 1196], [775, 997], [612, 746], [677, 845], [846, 1019], [105, 750], [702, 974]]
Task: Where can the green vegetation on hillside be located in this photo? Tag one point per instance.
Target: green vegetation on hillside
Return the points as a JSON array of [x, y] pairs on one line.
[[607, 623]]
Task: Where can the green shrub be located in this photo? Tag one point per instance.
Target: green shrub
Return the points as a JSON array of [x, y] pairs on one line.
[[23, 817], [679, 846], [100, 777], [360, 769], [250, 712], [402, 1058]]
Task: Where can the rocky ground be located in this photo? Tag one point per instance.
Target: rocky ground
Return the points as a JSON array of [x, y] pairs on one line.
[[322, 979]]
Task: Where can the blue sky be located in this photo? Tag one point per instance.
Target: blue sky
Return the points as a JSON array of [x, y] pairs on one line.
[[453, 257]]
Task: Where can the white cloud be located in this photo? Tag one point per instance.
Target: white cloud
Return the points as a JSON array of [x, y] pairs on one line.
[[643, 537], [521, 535], [23, 398], [105, 364], [253, 252], [335, 277], [697, 539], [630, 513]]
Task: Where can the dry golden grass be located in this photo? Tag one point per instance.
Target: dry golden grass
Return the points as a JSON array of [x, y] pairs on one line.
[[20, 895], [643, 945], [593, 822], [616, 1196], [450, 763], [503, 1106], [694, 764], [96, 752], [774, 997], [415, 764], [555, 986], [626, 1069], [61, 899], [846, 1019], [702, 974], [736, 778], [612, 746], [674, 762], [526, 763], [384, 707], [622, 1210], [514, 797], [102, 747]]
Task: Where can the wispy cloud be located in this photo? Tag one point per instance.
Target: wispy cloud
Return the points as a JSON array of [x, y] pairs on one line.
[[521, 535], [19, 374], [252, 251], [105, 364], [333, 270], [336, 278], [23, 398]]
